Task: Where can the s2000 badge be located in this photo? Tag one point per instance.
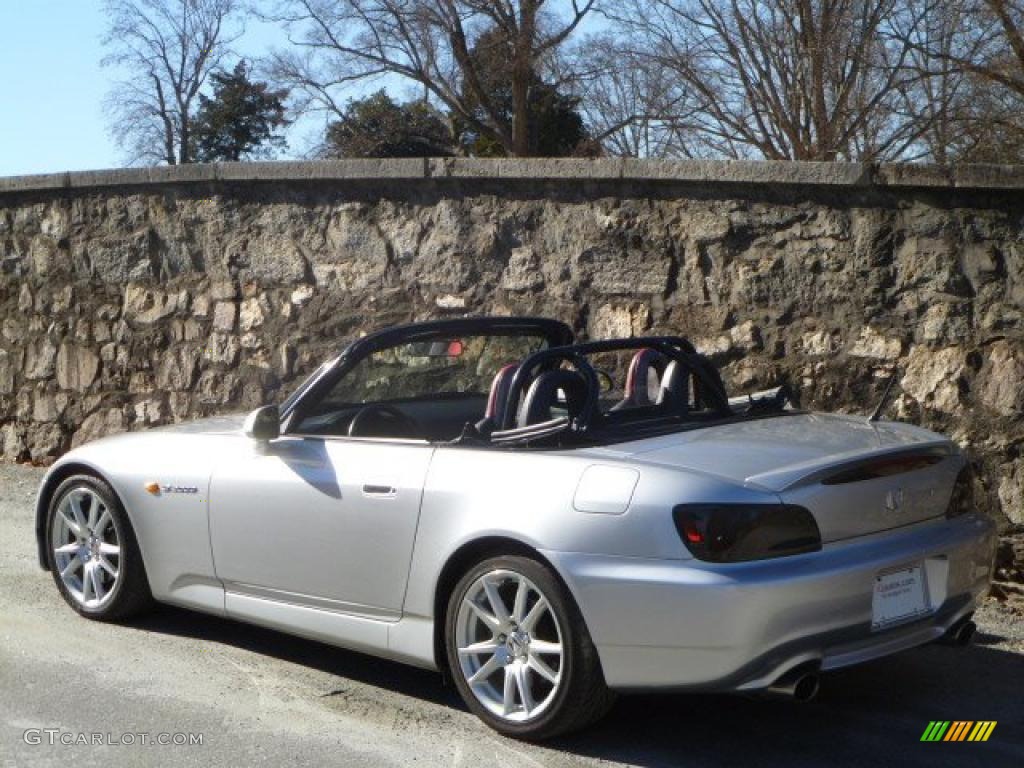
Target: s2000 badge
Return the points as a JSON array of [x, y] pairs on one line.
[[156, 488]]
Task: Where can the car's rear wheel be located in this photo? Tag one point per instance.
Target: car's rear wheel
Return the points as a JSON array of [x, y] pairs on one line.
[[520, 652], [92, 550]]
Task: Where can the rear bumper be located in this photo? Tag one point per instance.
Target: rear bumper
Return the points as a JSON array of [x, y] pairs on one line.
[[686, 624]]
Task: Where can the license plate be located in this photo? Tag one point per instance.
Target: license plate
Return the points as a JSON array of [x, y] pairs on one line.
[[899, 596]]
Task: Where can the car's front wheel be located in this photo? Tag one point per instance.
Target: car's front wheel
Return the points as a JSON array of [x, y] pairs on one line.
[[520, 652], [92, 551]]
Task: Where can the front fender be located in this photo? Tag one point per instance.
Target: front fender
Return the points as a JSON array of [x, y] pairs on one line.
[[70, 464]]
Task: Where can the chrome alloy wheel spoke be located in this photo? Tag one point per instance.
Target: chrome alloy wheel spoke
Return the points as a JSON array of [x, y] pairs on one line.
[[69, 570], [497, 604], [487, 646], [102, 523], [510, 657], [74, 503], [521, 674], [86, 547], [538, 665]]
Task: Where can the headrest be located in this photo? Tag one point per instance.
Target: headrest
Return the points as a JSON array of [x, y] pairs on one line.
[[638, 376], [707, 398], [499, 393], [542, 396], [675, 386]]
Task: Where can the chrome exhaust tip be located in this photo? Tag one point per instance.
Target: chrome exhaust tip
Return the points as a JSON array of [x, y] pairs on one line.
[[961, 633], [807, 687], [800, 685]]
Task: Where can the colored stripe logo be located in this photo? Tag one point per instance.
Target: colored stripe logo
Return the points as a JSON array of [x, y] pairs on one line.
[[958, 730]]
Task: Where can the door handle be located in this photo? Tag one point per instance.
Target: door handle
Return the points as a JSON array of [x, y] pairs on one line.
[[379, 490]]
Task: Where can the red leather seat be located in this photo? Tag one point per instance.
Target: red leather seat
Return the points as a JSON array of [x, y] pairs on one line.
[[498, 397], [638, 378]]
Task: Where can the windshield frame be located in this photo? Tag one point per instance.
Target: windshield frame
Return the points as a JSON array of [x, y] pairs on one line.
[[554, 332]]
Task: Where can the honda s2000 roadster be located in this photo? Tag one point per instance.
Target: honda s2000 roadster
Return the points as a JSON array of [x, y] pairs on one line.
[[545, 522]]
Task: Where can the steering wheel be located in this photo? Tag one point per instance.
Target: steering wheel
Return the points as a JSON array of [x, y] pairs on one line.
[[606, 380], [383, 420]]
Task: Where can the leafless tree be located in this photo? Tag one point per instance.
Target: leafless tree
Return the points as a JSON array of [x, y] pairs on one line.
[[939, 99], [991, 42], [429, 43], [167, 49], [635, 106], [974, 53], [786, 79]]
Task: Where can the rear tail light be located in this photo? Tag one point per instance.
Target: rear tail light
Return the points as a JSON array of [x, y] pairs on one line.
[[962, 500], [732, 533]]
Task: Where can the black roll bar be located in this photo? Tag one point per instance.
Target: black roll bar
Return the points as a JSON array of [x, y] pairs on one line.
[[673, 347], [548, 356]]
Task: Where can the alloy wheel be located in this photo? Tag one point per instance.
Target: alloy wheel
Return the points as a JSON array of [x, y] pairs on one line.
[[509, 645], [86, 547]]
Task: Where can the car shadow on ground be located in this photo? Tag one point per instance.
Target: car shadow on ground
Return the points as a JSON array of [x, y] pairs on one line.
[[873, 714]]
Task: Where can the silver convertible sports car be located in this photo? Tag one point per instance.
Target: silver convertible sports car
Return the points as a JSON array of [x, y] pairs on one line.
[[545, 522]]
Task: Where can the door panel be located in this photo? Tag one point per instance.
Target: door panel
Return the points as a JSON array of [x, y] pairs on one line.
[[325, 523]]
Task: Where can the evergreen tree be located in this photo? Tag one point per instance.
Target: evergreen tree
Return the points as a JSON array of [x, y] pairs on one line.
[[240, 119]]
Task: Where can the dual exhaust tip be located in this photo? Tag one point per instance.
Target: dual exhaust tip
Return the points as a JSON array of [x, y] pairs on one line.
[[961, 633], [802, 683]]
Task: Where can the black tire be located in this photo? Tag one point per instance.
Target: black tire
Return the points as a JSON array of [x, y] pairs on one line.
[[131, 595], [583, 697]]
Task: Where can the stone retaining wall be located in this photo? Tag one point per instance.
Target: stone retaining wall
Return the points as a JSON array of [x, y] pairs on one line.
[[139, 297]]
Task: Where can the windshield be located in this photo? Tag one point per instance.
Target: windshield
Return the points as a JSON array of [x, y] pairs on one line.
[[504, 386], [446, 366], [297, 392], [428, 389]]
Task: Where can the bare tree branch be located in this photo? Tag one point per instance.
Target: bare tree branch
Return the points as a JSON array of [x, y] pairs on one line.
[[427, 42], [169, 47], [784, 79]]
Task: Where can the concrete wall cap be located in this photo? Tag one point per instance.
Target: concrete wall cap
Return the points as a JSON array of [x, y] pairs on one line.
[[762, 172]]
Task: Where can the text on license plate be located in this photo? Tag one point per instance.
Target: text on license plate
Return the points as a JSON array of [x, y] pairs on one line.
[[899, 596]]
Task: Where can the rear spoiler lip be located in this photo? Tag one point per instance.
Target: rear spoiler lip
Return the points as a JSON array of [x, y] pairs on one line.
[[811, 472]]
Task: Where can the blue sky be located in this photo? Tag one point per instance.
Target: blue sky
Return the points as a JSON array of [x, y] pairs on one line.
[[52, 88]]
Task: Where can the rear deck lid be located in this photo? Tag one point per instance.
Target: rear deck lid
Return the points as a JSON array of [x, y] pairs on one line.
[[856, 477]]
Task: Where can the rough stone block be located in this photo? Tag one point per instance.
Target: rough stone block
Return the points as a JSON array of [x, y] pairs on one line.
[[932, 377], [7, 370], [100, 424], [874, 344], [148, 305], [77, 367], [224, 314], [222, 348], [1002, 386], [41, 359], [177, 369]]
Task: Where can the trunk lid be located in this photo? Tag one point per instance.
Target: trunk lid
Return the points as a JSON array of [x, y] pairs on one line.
[[856, 477]]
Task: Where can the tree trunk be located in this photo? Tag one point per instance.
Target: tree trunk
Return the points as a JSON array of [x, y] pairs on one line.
[[167, 123], [184, 155], [522, 78]]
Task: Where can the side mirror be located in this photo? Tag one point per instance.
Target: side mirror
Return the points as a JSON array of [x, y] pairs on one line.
[[263, 423]]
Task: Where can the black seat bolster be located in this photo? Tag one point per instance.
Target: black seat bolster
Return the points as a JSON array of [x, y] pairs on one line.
[[675, 386], [500, 386], [543, 395]]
